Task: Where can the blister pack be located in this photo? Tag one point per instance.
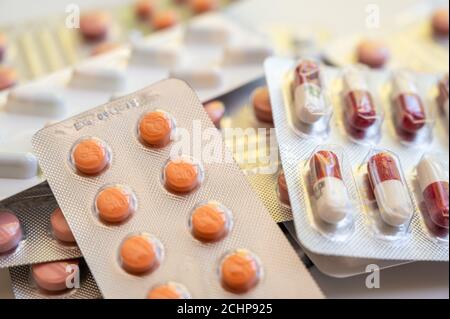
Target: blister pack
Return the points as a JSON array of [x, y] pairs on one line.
[[214, 54], [156, 213], [34, 230], [352, 194], [69, 279]]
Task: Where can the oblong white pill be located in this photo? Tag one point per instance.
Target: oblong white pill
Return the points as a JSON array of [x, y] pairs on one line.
[[310, 104], [32, 101], [207, 34], [246, 54], [152, 55], [334, 203], [98, 78], [18, 165], [394, 202], [198, 78]]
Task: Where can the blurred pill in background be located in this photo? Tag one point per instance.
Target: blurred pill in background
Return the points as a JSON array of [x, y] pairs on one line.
[[8, 77], [52, 276], [261, 104], [216, 111], [439, 22], [372, 53], [95, 26], [144, 9], [104, 47], [164, 19], [283, 190], [10, 231], [3, 45], [202, 6], [60, 227]]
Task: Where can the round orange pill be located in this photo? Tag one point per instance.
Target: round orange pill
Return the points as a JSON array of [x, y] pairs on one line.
[[94, 26], [164, 19], [210, 222], [168, 291], [140, 254], [144, 9], [240, 272], [261, 104], [201, 6], [90, 156], [155, 129], [372, 53], [114, 204], [8, 77], [182, 175]]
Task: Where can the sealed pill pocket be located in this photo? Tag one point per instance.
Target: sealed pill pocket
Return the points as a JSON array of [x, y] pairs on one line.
[[164, 217], [33, 229]]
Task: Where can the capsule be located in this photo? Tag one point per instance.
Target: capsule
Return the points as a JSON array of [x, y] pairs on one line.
[[360, 113], [310, 105], [433, 181], [389, 189], [330, 193], [443, 96], [409, 111]]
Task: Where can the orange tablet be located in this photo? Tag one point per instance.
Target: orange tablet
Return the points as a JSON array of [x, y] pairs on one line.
[[240, 272], [114, 204], [182, 175], [139, 254], [168, 291], [155, 129], [210, 222], [144, 9], [261, 104], [90, 156], [8, 77], [201, 6], [164, 19]]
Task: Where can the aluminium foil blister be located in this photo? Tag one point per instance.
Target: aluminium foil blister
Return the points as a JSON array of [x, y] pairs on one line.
[[24, 286], [296, 150], [33, 208], [161, 213], [73, 97]]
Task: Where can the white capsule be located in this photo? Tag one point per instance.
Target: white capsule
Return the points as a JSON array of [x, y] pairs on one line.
[[206, 34], [430, 171], [333, 203], [246, 54], [310, 104], [393, 202], [98, 78], [154, 56], [198, 78], [354, 80], [18, 165], [402, 83], [35, 102]]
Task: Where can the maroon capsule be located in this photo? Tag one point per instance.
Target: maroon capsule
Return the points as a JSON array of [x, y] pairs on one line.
[[410, 114], [361, 113], [307, 72], [436, 197], [325, 164]]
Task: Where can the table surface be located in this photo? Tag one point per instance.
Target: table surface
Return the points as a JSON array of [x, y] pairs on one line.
[[417, 280]]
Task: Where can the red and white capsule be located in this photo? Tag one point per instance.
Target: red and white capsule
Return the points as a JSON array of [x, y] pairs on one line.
[[433, 181], [410, 115], [331, 196], [310, 105], [390, 189], [361, 112]]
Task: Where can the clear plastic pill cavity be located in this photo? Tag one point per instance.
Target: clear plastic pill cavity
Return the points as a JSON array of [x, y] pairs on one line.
[[90, 156], [411, 117], [309, 106], [361, 112], [156, 129], [182, 175], [115, 204], [386, 195], [433, 194], [329, 183]]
